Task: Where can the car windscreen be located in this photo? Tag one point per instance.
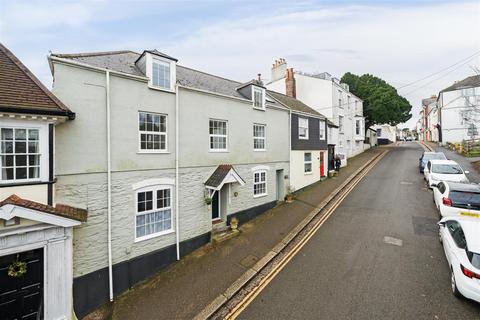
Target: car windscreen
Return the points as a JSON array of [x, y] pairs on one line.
[[474, 259], [447, 169], [465, 198], [433, 156]]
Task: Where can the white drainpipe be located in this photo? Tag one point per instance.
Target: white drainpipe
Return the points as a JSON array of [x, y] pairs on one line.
[[177, 182], [109, 189], [289, 148]]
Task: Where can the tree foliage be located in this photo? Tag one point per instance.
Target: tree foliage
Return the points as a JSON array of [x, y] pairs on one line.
[[381, 102]]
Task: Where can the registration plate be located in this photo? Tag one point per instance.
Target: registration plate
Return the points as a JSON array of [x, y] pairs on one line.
[[470, 214]]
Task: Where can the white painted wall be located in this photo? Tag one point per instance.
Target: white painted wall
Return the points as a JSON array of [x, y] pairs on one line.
[[298, 178], [458, 110]]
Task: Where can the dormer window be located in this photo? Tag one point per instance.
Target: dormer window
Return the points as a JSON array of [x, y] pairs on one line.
[[161, 74], [258, 96]]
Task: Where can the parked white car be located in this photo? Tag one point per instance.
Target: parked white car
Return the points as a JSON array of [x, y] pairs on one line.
[[460, 237], [443, 170], [454, 199]]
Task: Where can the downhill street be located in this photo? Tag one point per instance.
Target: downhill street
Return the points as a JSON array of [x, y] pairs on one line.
[[349, 270]]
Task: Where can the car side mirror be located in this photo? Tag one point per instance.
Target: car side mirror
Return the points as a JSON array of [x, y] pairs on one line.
[[441, 223], [467, 171], [434, 185]]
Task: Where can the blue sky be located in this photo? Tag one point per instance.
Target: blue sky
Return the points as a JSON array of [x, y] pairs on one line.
[[400, 41]]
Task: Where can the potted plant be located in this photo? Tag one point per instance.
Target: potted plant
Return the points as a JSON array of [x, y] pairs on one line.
[[234, 224], [208, 200], [290, 196]]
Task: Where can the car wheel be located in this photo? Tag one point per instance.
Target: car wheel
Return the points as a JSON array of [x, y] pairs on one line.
[[455, 291]]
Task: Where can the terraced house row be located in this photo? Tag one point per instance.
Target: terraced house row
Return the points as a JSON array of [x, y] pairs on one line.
[[130, 164]]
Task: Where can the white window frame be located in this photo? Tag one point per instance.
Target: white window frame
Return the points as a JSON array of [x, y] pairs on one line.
[[210, 135], [305, 162], [259, 172], [158, 133], [299, 126], [321, 129], [264, 138], [359, 122], [154, 190], [164, 63], [341, 120], [262, 93], [42, 150]]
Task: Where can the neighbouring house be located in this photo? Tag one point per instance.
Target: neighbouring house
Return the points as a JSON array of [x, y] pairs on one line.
[[326, 95], [36, 230], [308, 142], [161, 155], [427, 105], [332, 141], [433, 122], [385, 133], [459, 111], [371, 137], [419, 127]]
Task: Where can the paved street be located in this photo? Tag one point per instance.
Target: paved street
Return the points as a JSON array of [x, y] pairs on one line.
[[348, 271]]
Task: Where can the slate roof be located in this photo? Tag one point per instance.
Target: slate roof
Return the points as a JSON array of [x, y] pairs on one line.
[[22, 92], [470, 82], [124, 61], [59, 210], [294, 104], [219, 175]]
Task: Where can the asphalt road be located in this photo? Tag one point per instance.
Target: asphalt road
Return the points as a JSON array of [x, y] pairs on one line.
[[348, 271]]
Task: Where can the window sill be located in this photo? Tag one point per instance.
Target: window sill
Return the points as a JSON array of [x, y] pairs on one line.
[[259, 108], [259, 150], [260, 195], [154, 235], [218, 151], [307, 173], [18, 183], [161, 89], [152, 152], [305, 138]]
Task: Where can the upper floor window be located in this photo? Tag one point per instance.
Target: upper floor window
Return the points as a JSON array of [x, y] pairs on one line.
[[357, 127], [340, 98], [218, 135], [340, 123], [260, 183], [348, 103], [154, 212], [152, 129], [258, 98], [321, 129], [259, 137], [20, 154], [161, 74], [303, 128], [307, 162]]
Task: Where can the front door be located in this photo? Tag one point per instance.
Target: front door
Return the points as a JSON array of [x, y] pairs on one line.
[[331, 157], [322, 164], [21, 296], [216, 206], [280, 187]]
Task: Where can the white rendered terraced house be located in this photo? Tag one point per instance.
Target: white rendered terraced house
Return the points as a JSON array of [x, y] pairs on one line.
[[160, 155]]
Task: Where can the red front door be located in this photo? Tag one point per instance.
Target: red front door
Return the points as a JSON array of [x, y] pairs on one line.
[[322, 166]]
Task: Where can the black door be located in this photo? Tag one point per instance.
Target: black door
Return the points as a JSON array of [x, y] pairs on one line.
[[331, 158], [215, 206], [22, 297]]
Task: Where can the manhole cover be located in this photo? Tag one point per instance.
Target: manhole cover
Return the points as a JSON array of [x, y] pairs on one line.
[[425, 226], [249, 261], [394, 241]]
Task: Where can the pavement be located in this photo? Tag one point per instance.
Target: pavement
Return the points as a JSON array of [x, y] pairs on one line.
[[186, 287], [464, 162], [377, 257]]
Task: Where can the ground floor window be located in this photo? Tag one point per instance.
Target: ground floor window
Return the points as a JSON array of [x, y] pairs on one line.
[[260, 183], [154, 212], [307, 162]]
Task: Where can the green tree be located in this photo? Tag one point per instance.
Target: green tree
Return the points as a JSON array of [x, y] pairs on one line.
[[381, 102]]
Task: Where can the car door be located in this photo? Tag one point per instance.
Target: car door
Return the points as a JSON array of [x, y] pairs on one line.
[[438, 193], [456, 241], [426, 171]]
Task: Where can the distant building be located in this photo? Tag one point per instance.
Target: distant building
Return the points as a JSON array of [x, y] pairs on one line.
[[459, 111], [327, 95], [386, 134]]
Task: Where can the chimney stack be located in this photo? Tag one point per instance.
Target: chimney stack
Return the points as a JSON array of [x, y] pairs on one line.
[[278, 69], [290, 86]]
